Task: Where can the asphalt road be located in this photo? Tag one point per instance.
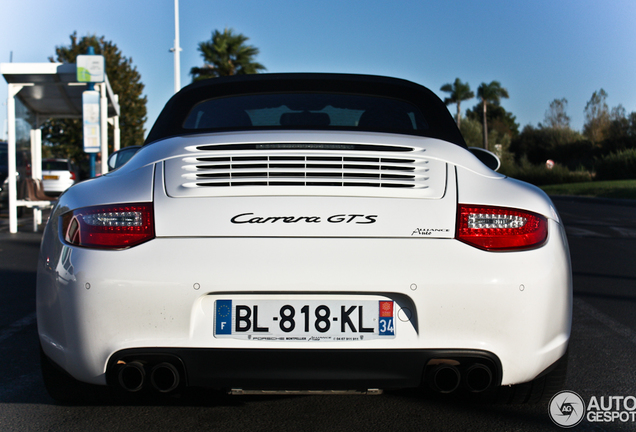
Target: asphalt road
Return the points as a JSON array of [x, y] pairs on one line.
[[602, 236]]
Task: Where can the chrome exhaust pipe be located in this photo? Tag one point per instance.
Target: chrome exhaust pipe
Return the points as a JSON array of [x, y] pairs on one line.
[[132, 376], [444, 378], [164, 377], [478, 378]]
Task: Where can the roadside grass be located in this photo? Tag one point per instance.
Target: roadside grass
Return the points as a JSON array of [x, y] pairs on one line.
[[625, 189]]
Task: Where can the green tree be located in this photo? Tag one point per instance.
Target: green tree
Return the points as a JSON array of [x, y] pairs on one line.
[[501, 123], [490, 94], [620, 134], [555, 116], [459, 92], [226, 54], [471, 130], [618, 126], [64, 136], [597, 117]]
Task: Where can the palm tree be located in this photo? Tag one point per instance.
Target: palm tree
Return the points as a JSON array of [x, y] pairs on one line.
[[226, 54], [459, 92], [490, 93]]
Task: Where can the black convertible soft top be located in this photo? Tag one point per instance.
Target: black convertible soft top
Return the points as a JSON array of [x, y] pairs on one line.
[[315, 101]]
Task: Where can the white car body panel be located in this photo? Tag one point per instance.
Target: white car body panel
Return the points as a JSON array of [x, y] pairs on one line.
[[322, 216], [408, 272], [107, 189], [400, 252], [304, 242]]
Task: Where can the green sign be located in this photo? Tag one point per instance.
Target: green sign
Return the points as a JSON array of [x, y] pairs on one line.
[[90, 68]]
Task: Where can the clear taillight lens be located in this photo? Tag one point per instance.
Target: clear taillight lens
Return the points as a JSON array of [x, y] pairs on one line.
[[500, 228], [110, 226]]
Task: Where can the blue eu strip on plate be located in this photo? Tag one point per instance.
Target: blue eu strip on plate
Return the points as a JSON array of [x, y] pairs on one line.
[[223, 317]]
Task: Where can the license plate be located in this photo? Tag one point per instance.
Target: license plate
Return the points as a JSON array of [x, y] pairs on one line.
[[304, 321], [50, 177]]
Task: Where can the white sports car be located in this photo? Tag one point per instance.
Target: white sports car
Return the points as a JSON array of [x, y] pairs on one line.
[[304, 232]]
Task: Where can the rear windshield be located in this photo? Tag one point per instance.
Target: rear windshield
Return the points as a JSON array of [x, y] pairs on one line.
[[54, 165], [306, 111]]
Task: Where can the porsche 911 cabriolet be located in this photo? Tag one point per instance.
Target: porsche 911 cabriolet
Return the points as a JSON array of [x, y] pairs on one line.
[[304, 233]]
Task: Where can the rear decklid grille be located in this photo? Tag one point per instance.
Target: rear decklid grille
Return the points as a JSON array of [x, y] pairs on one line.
[[305, 169]]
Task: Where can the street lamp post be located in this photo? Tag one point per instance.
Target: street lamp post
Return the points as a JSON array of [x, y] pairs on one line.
[[176, 49]]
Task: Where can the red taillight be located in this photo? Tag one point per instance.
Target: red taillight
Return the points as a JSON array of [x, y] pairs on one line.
[[500, 228], [110, 226], [73, 176]]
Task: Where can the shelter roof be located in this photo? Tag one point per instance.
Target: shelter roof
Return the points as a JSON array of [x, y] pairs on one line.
[[51, 89]]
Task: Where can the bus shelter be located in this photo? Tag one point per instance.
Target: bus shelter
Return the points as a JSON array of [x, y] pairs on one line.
[[49, 90]]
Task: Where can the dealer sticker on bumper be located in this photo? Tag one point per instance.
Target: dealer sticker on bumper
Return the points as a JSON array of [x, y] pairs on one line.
[[299, 320]]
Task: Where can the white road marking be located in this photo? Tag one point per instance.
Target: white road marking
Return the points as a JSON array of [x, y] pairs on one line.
[[625, 232], [608, 231], [582, 232], [17, 326], [606, 320]]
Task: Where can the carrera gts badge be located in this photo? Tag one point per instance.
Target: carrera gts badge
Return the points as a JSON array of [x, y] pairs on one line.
[[250, 218]]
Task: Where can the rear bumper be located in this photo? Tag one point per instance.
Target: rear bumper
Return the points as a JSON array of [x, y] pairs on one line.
[[298, 369], [56, 185], [516, 306]]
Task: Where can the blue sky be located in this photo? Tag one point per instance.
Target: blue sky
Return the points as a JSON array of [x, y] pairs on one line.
[[539, 50]]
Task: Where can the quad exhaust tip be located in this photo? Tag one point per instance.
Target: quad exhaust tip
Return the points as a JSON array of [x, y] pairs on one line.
[[132, 376], [478, 378], [446, 377], [443, 376], [164, 377]]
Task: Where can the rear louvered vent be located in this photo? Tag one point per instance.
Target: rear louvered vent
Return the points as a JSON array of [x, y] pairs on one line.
[[305, 170]]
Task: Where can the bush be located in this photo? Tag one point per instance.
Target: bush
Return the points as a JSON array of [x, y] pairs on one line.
[[543, 143], [576, 154], [540, 175], [617, 166]]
